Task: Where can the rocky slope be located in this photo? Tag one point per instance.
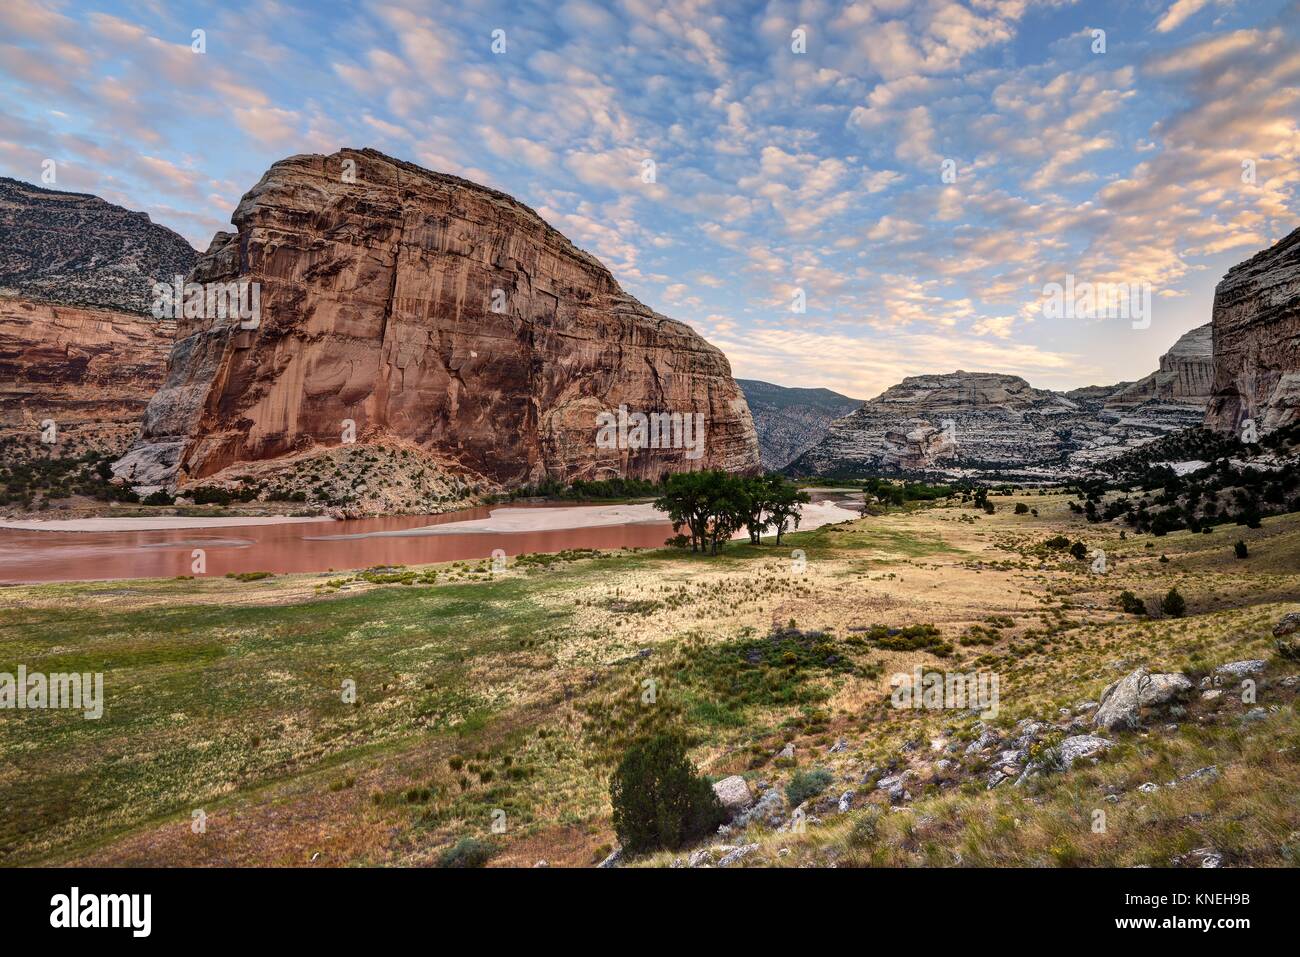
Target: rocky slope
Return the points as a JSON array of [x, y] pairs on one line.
[[89, 371], [414, 307], [77, 249], [985, 424], [1257, 342], [791, 421]]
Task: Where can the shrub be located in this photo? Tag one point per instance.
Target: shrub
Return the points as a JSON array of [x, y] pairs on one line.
[[1022, 508], [1057, 542], [865, 829], [467, 852], [1079, 550], [659, 801], [1173, 604], [1131, 603], [807, 784], [1241, 550]]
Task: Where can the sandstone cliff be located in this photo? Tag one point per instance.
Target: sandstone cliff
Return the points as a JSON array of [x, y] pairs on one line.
[[77, 249], [90, 371], [1257, 342], [1185, 376], [429, 311]]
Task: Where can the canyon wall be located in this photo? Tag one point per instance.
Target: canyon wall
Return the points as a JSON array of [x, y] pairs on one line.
[[90, 371], [1257, 342], [429, 311]]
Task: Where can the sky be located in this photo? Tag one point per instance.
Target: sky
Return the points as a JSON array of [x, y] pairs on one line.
[[920, 171]]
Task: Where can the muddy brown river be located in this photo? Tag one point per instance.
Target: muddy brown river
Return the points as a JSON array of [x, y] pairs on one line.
[[49, 556]]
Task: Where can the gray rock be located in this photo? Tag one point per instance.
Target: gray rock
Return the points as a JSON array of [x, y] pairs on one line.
[[737, 854], [1211, 694], [1121, 702], [846, 802], [1240, 669], [1289, 624], [1255, 714], [614, 859], [985, 740], [1202, 774], [1162, 688], [786, 752], [734, 794], [1148, 788], [1082, 746], [838, 746]]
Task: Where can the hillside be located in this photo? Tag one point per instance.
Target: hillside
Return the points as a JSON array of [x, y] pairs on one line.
[[791, 421], [517, 691], [80, 250]]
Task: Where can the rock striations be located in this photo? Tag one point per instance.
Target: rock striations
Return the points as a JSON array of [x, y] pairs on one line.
[[1257, 342], [418, 308], [966, 424], [89, 371]]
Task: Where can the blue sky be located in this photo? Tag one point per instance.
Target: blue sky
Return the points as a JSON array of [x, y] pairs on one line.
[[774, 170]]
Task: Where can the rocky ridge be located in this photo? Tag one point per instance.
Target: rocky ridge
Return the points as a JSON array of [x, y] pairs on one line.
[[791, 421], [977, 424], [80, 250]]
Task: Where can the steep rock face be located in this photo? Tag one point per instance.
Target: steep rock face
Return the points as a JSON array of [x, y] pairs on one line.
[[91, 371], [78, 249], [791, 421], [1185, 376], [425, 309], [1257, 342]]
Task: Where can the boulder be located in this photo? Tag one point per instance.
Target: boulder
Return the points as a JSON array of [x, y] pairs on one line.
[[1288, 625], [1240, 669], [1082, 746], [734, 795], [1121, 702]]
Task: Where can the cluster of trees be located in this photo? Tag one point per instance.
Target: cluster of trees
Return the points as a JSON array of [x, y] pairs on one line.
[[713, 505]]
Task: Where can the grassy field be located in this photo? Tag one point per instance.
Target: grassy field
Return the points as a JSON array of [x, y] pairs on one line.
[[496, 705]]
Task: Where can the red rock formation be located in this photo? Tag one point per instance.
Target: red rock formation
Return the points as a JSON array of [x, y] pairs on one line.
[[1257, 342], [426, 309], [90, 370]]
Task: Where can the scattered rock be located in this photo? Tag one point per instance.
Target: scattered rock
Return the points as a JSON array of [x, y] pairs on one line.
[[846, 802], [786, 753], [838, 746], [1148, 788], [1240, 669], [1082, 746], [1210, 695], [1161, 688], [1202, 774], [734, 794], [1289, 624], [1200, 857]]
